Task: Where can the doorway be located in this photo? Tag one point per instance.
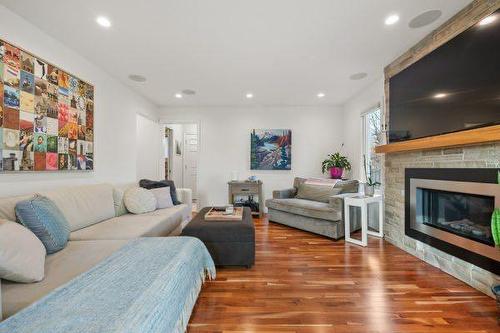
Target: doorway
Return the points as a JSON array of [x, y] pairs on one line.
[[182, 155]]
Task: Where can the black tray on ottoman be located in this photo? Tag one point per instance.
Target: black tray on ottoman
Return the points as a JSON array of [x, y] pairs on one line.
[[231, 243]]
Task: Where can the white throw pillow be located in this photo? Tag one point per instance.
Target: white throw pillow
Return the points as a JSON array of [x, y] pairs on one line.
[[163, 197], [22, 254], [118, 194], [139, 200]]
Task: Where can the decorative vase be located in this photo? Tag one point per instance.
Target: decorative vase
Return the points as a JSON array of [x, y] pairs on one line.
[[369, 190], [336, 173]]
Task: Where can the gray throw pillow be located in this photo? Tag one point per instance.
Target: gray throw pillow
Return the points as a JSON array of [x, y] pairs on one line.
[[316, 192], [163, 198]]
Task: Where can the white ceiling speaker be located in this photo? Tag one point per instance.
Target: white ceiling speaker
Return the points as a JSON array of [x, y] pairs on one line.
[[425, 18], [188, 92], [358, 76], [137, 78]]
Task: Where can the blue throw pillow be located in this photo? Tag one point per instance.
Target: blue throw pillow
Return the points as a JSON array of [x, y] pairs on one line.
[[45, 220]]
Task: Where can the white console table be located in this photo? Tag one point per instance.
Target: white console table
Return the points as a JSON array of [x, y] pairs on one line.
[[362, 202]]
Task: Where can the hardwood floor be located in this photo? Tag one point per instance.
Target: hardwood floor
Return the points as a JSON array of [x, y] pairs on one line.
[[305, 283]]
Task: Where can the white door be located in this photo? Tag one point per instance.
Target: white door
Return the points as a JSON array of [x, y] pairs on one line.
[[190, 162]]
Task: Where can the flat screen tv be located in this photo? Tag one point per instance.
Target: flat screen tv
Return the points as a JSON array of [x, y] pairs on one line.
[[453, 88]]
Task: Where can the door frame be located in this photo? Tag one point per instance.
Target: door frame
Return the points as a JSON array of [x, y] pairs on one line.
[[168, 172], [166, 120], [197, 159]]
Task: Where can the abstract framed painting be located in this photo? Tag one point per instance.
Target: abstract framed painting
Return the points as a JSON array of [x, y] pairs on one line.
[[45, 114], [271, 149]]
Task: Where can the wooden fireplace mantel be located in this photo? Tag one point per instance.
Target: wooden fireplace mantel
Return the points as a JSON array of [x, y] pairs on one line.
[[463, 138]]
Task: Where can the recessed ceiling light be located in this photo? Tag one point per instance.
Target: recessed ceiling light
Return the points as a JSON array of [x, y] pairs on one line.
[[425, 18], [249, 95], [320, 95], [391, 19], [358, 76], [137, 78], [178, 95], [440, 95], [487, 20], [103, 21]]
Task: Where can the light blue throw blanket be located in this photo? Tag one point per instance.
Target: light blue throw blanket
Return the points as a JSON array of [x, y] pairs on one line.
[[149, 285]]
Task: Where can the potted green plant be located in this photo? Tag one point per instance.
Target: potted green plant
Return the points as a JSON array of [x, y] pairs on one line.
[[495, 228], [370, 183], [336, 164]]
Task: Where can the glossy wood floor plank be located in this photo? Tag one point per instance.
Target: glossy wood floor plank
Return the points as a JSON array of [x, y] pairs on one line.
[[304, 283]]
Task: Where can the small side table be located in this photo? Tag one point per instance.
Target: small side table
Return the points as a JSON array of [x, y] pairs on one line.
[[363, 202], [250, 189]]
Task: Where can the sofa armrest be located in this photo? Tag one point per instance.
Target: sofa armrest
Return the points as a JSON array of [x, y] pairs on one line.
[[284, 194], [185, 195]]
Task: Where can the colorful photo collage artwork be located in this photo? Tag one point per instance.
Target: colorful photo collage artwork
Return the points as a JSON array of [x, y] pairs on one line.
[[46, 115]]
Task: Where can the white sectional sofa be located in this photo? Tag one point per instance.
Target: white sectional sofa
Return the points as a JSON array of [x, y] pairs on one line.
[[99, 224]]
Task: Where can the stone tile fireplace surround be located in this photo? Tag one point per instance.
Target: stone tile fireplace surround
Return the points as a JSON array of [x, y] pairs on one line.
[[486, 155], [481, 156]]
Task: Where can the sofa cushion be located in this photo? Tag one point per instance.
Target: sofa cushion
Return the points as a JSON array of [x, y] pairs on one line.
[[158, 223], [8, 206], [22, 255], [84, 205], [316, 192], [60, 267], [45, 220], [315, 209]]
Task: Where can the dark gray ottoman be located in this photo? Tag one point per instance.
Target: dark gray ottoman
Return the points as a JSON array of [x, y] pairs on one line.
[[231, 243]]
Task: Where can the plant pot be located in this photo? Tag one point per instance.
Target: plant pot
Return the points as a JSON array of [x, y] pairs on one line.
[[336, 173], [369, 190]]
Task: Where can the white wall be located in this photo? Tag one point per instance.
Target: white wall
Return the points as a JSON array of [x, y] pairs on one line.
[[225, 143], [365, 100], [150, 161], [116, 107]]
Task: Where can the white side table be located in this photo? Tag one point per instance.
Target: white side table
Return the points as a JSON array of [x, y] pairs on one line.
[[363, 202]]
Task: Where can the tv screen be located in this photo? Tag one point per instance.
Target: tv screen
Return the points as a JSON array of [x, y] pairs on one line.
[[455, 87]]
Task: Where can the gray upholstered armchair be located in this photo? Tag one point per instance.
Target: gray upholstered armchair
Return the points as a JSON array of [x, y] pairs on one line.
[[321, 217]]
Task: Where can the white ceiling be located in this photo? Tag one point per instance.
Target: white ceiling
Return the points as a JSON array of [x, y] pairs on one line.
[[284, 51]]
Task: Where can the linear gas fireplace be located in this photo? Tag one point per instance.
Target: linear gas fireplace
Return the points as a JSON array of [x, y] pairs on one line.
[[451, 209]]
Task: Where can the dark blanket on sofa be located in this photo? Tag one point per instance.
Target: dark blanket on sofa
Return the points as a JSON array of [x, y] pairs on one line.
[[150, 184]]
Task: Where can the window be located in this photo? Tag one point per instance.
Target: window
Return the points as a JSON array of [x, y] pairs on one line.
[[372, 137]]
